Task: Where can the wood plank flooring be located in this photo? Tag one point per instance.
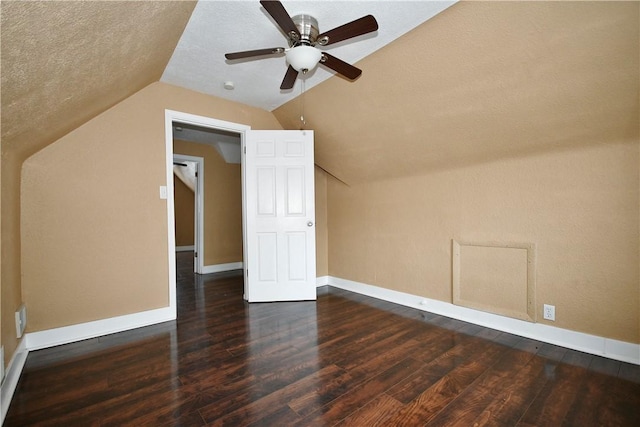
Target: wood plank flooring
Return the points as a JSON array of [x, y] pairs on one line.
[[345, 360]]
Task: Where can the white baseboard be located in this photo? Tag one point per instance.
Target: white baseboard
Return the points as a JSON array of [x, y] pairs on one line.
[[322, 281], [73, 333], [83, 331], [219, 268], [10, 382], [185, 248], [601, 346]]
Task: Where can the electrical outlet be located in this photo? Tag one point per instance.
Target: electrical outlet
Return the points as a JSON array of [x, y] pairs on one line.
[[549, 312], [21, 320]]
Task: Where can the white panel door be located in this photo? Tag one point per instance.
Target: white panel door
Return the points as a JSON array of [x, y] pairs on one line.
[[280, 237]]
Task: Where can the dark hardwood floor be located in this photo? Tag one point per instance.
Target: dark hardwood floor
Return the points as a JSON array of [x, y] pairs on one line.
[[344, 360]]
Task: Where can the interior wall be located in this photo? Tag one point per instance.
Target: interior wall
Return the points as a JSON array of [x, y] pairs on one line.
[[84, 257], [10, 247], [579, 207], [184, 208], [222, 204], [61, 66], [322, 235]]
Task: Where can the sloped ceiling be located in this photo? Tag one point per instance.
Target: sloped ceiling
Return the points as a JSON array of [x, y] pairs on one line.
[[478, 82], [63, 63]]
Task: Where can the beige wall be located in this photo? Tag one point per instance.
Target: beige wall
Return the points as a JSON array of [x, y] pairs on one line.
[[10, 261], [579, 207], [69, 72], [184, 208], [222, 204], [478, 82], [322, 235], [506, 122], [83, 257]]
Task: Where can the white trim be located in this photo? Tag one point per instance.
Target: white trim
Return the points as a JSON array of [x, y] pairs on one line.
[[322, 281], [83, 331], [243, 178], [10, 382], [185, 248], [218, 268], [202, 121], [171, 218], [601, 346], [198, 209]]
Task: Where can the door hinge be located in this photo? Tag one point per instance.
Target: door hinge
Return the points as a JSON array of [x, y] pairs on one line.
[[196, 174], [245, 149], [195, 254]]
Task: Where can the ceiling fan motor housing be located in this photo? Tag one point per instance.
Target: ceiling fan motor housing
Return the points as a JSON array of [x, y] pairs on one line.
[[307, 25]]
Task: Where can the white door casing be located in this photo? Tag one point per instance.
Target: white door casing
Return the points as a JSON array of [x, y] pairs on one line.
[[198, 238], [280, 260], [186, 118]]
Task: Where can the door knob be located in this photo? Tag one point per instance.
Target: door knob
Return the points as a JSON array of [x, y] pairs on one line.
[[310, 224]]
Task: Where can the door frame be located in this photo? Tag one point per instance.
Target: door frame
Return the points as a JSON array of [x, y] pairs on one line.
[[198, 232], [171, 116]]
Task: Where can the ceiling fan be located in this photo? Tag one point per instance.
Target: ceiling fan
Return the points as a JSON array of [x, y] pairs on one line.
[[303, 35]]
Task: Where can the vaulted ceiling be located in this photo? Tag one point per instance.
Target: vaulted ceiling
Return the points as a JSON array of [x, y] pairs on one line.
[[64, 63], [477, 82]]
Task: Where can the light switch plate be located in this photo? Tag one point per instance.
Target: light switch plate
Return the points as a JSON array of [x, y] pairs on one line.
[[163, 192]]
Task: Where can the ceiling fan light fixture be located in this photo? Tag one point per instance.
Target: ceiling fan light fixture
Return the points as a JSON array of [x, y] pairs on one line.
[[303, 34], [303, 57]]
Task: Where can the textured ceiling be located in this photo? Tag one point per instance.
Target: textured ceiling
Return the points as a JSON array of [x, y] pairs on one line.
[[218, 27], [478, 82], [63, 63]]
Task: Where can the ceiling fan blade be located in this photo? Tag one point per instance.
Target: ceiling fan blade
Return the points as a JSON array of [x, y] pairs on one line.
[[361, 26], [282, 18], [341, 67], [250, 53], [289, 78]]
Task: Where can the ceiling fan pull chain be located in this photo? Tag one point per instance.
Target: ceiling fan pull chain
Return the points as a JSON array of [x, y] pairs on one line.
[[302, 120]]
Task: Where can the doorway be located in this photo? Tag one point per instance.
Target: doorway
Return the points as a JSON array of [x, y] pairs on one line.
[[190, 120], [279, 166], [189, 174]]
